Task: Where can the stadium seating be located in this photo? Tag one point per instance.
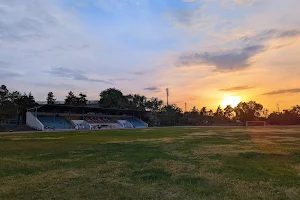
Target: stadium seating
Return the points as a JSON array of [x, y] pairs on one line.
[[95, 120], [136, 123], [54, 123]]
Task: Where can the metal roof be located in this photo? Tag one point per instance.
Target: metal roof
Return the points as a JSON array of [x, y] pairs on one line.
[[80, 109]]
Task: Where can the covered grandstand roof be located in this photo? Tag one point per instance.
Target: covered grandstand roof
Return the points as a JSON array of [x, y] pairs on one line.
[[85, 109]]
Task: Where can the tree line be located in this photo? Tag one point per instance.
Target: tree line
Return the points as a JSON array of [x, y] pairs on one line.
[[16, 104]]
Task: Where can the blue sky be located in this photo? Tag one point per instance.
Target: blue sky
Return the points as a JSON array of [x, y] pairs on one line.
[[202, 50]]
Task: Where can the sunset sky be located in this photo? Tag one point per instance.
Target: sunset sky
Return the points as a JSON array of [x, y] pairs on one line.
[[203, 50]]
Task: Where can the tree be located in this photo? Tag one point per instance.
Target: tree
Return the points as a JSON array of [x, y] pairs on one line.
[[219, 111], [14, 96], [154, 104], [71, 99], [6, 106], [170, 115], [192, 117], [219, 115], [194, 111], [50, 98], [23, 103], [136, 101], [265, 113], [296, 109], [82, 101], [248, 111], [113, 98], [287, 117], [3, 91], [203, 112], [203, 115], [228, 112]]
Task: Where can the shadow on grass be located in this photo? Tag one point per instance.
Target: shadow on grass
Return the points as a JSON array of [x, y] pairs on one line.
[[254, 166]]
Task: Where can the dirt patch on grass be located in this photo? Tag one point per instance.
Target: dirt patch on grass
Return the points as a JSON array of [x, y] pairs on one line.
[[289, 139], [293, 193], [206, 133], [249, 190], [259, 140]]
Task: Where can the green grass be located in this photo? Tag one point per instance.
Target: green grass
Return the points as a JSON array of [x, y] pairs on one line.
[[160, 163]]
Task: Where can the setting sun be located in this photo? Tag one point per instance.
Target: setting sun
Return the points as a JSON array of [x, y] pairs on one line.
[[231, 100]]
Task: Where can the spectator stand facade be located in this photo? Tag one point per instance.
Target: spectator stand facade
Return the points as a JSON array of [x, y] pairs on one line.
[[65, 117]]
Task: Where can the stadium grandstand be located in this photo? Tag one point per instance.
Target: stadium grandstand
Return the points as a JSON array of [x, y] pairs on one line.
[[65, 117]]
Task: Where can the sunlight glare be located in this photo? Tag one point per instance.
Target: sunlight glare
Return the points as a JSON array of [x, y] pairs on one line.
[[231, 100]]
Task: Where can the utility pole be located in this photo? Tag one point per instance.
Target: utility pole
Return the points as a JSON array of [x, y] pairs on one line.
[[278, 108], [184, 107], [167, 90]]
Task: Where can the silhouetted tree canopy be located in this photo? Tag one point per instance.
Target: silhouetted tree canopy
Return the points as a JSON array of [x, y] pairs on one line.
[[248, 111], [50, 98], [136, 101], [81, 100], [228, 112], [154, 104], [113, 98]]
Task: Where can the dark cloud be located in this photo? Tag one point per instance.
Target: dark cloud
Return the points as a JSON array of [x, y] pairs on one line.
[[289, 33], [271, 34], [5, 74], [224, 61], [285, 91], [152, 89], [238, 88], [144, 72], [139, 73], [237, 59], [78, 75]]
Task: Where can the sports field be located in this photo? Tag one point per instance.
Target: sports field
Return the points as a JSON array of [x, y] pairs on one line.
[[160, 163]]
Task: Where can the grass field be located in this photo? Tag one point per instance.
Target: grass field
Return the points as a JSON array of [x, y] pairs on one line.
[[162, 163]]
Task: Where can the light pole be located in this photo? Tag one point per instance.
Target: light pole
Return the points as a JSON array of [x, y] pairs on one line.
[[167, 90]]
